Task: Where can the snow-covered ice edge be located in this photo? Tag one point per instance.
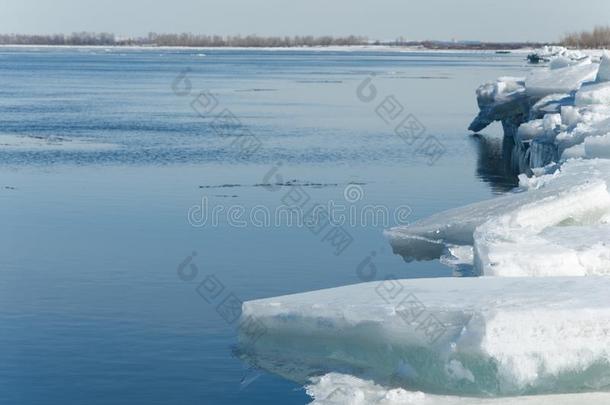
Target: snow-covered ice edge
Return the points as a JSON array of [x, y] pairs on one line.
[[478, 336], [341, 389]]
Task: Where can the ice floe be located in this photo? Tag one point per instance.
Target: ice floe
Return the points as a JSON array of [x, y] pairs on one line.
[[542, 82], [558, 224], [9, 142], [480, 336]]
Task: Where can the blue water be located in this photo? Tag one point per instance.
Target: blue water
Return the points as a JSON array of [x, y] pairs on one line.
[[92, 309]]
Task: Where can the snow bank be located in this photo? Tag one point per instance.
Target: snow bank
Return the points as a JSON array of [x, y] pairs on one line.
[[465, 336], [341, 389]]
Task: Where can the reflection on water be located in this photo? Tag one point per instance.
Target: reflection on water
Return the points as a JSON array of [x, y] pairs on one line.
[[497, 165], [495, 162]]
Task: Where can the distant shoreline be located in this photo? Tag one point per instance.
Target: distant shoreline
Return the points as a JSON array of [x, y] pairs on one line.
[[189, 40], [329, 48]]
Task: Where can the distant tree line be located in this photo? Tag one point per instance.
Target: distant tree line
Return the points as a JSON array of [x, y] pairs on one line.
[[599, 37], [77, 38], [184, 39], [195, 40], [251, 40]]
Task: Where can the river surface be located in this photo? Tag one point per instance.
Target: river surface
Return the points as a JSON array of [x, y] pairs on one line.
[[131, 179]]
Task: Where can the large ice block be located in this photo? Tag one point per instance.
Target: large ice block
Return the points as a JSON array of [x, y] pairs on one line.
[[466, 336], [557, 225]]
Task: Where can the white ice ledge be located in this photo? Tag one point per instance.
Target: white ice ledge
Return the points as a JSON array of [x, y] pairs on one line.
[[557, 225], [467, 336]]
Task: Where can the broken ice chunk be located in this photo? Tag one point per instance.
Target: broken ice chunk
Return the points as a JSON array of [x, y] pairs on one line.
[[498, 100], [593, 93], [542, 82], [597, 147], [603, 74], [552, 237], [466, 336], [510, 233]]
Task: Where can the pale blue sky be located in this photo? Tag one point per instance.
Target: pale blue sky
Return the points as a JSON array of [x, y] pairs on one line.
[[535, 20]]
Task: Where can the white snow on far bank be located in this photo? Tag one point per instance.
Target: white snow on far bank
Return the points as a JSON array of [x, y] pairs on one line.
[[333, 48]]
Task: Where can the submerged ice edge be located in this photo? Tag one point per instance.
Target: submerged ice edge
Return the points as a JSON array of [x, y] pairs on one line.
[[339, 389], [565, 234], [558, 224], [492, 336]]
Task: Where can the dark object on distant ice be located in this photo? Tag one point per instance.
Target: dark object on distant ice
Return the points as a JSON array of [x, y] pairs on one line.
[[293, 182], [319, 81], [222, 186], [535, 58], [253, 90]]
